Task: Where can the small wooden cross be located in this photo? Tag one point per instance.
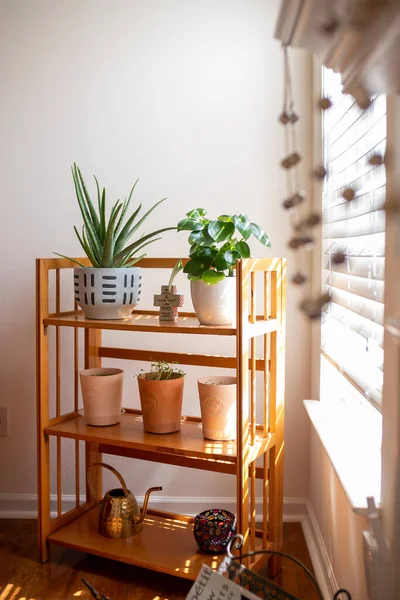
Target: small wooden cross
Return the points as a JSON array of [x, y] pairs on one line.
[[168, 301]]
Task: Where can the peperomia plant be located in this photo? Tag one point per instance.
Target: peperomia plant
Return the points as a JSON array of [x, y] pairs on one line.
[[216, 244], [105, 241]]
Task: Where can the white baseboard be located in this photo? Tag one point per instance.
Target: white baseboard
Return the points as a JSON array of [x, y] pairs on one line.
[[24, 506], [318, 553]]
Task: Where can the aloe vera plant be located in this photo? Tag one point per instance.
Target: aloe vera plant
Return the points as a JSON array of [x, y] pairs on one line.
[[105, 241]]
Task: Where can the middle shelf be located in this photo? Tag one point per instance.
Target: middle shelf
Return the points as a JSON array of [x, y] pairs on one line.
[[186, 447]]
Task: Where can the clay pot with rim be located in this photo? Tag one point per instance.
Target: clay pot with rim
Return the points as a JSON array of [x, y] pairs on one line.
[[161, 402], [218, 407], [102, 395]]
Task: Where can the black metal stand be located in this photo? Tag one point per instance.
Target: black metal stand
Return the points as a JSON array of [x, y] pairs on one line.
[[266, 589]]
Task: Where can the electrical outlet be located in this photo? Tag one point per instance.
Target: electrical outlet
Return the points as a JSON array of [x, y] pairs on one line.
[[4, 421]]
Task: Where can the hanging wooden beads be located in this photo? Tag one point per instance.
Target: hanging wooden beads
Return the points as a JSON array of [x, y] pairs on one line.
[[349, 194]]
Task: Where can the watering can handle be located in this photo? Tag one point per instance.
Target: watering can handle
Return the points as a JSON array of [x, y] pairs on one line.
[[93, 495]]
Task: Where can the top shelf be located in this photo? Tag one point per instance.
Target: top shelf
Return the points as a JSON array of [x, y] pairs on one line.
[[140, 321], [272, 269], [149, 321]]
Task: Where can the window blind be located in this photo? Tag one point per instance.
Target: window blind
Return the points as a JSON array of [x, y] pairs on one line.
[[352, 323]]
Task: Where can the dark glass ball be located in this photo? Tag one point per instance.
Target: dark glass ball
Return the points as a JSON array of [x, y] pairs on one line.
[[213, 529]]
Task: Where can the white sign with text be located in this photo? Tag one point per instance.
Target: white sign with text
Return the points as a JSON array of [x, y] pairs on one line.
[[211, 586]]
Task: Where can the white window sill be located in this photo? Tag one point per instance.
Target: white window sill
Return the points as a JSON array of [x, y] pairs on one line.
[[355, 459]]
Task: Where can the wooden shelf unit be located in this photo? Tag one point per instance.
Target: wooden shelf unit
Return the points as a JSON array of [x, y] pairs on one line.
[[166, 542]]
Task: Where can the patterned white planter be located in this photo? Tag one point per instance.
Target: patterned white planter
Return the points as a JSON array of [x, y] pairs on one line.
[[214, 304], [107, 293]]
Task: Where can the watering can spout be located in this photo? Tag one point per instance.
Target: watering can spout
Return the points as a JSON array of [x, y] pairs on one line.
[[142, 515]]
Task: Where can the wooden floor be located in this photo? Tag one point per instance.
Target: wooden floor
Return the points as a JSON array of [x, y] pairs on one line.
[[22, 577]]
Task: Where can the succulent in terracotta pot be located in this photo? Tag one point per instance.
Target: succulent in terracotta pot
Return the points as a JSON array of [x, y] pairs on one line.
[[161, 395]]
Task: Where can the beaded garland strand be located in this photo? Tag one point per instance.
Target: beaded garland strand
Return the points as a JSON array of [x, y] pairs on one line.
[[302, 224]]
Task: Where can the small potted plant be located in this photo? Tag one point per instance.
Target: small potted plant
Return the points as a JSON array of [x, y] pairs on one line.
[[161, 394], [215, 246], [111, 287]]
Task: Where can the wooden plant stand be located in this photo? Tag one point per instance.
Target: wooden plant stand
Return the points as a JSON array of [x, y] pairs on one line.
[[166, 543]]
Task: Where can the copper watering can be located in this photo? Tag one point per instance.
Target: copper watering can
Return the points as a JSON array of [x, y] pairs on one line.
[[119, 516]]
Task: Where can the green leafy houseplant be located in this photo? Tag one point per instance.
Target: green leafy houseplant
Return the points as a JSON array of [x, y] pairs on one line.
[[177, 268], [216, 244], [105, 241], [162, 371]]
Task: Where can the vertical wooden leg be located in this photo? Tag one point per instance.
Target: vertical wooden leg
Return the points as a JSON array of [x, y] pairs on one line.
[[265, 500], [273, 564], [277, 453], [42, 407], [77, 475], [253, 507], [43, 497], [242, 410], [276, 499], [242, 484], [92, 454]]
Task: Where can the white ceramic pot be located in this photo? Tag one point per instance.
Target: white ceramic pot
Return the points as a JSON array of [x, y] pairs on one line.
[[215, 304], [107, 293], [102, 395], [218, 407]]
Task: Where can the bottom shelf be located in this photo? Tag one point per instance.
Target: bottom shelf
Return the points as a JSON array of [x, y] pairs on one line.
[[165, 544]]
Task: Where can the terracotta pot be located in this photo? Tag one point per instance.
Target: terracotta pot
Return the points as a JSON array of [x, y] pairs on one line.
[[218, 407], [214, 304], [102, 395], [161, 402]]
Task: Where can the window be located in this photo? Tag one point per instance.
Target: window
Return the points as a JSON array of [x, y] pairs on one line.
[[352, 323]]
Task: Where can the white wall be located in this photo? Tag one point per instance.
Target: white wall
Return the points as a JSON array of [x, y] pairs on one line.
[[185, 95], [339, 530]]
